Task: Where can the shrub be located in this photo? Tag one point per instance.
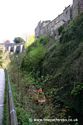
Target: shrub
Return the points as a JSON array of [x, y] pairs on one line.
[[74, 31], [33, 58]]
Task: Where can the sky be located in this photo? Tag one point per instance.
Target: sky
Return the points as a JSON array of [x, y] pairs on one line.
[[20, 17]]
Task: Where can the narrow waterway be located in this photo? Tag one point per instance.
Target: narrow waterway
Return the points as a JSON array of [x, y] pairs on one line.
[[2, 89]]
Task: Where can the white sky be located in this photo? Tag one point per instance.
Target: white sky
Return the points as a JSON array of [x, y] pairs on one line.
[[20, 17]]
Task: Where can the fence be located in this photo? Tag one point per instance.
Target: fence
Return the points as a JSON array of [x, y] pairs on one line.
[[12, 112]]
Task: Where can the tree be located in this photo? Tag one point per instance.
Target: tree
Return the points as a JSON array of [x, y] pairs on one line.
[[31, 40], [19, 40]]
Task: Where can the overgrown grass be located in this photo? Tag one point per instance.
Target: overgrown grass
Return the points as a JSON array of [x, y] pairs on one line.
[[22, 114], [25, 104]]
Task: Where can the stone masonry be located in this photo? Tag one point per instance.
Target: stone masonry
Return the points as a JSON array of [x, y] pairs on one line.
[[51, 27], [40, 28], [77, 7]]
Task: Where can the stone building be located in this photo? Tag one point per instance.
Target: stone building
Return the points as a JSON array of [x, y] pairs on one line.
[[40, 29], [59, 21], [77, 7], [51, 27]]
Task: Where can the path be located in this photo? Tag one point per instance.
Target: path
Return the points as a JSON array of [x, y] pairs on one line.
[[2, 89]]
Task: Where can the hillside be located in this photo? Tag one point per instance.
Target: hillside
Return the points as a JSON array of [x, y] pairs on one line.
[[47, 79], [60, 68]]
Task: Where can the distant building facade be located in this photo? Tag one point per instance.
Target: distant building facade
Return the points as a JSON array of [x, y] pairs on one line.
[[50, 28], [15, 48]]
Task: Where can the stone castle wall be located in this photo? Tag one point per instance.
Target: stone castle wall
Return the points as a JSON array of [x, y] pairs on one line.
[[77, 7], [40, 28], [81, 6], [51, 27]]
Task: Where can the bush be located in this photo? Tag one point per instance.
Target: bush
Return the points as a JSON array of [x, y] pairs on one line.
[[33, 58], [60, 30], [74, 31]]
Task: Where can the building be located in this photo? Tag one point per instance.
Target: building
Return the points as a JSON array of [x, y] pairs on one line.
[[40, 29], [77, 7], [15, 48], [51, 27]]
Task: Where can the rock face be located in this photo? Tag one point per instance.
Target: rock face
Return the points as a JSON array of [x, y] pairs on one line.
[[50, 28]]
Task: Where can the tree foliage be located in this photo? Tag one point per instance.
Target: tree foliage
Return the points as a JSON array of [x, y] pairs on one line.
[[30, 40], [19, 40], [33, 57]]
